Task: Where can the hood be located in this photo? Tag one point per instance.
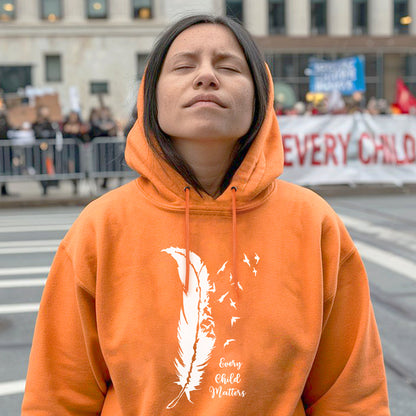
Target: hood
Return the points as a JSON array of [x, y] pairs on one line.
[[253, 179]]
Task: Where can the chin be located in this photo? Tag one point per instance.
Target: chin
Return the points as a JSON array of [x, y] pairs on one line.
[[204, 135]]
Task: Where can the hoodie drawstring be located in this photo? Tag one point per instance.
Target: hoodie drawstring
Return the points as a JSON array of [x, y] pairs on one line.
[[187, 238], [234, 213]]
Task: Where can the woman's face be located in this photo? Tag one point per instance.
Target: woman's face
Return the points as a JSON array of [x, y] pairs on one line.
[[205, 90]]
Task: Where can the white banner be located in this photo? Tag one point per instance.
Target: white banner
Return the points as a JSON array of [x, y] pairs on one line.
[[349, 149]]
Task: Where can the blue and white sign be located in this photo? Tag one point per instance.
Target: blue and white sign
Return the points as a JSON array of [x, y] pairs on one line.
[[346, 75]]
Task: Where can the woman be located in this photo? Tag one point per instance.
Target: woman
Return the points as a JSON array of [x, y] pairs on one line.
[[206, 286], [74, 128]]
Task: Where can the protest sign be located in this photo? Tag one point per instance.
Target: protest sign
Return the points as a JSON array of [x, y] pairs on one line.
[[349, 149], [345, 75]]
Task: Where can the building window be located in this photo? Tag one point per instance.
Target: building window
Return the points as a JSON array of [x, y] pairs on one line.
[[360, 17], [410, 73], [51, 10], [53, 68], [142, 9], [277, 17], [98, 87], [318, 17], [7, 10], [97, 9], [401, 17], [14, 77], [141, 64], [234, 8]]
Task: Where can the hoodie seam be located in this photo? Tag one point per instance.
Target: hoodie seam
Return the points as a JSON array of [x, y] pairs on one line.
[[347, 256], [341, 263], [77, 279]]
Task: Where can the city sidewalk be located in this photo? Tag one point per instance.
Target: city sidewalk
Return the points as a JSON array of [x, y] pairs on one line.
[[30, 193]]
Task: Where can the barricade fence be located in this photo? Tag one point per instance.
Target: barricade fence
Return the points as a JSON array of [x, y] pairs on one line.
[[318, 150], [67, 159]]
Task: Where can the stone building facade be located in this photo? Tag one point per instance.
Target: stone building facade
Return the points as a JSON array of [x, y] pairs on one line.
[[100, 46]]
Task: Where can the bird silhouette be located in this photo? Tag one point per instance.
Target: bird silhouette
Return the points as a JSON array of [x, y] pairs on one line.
[[234, 319], [228, 342], [222, 268]]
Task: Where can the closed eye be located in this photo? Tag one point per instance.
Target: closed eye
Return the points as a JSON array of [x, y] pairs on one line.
[[229, 68], [178, 68]]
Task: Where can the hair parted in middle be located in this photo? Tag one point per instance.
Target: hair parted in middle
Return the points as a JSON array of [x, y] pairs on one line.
[[160, 142]]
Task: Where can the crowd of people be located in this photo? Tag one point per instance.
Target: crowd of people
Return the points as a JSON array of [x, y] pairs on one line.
[[100, 123], [335, 103]]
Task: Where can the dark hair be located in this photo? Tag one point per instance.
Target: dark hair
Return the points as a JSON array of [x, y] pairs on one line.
[[158, 140]]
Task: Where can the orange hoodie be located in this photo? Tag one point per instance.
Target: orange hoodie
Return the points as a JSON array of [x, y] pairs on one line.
[[276, 319]]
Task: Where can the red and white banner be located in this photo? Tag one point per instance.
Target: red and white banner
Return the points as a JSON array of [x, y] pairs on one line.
[[348, 149]]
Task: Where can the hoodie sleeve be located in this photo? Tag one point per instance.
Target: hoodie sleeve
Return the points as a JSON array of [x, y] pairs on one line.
[[347, 376], [66, 374]]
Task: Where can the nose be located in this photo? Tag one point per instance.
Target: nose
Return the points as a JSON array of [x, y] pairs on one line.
[[206, 78]]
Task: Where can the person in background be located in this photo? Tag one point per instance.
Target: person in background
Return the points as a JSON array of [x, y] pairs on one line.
[[4, 128], [45, 129], [103, 125], [94, 122], [207, 286], [74, 128], [107, 124]]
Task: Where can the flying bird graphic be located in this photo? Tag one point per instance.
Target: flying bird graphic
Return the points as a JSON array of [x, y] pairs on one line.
[[256, 257], [221, 299], [233, 304], [228, 342], [239, 285], [213, 288], [231, 277], [222, 268], [246, 260], [234, 319], [254, 271]]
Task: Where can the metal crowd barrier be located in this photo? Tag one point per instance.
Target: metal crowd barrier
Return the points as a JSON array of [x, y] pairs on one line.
[[68, 159]]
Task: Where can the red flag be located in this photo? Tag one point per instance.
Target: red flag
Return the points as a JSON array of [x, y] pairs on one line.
[[404, 98]]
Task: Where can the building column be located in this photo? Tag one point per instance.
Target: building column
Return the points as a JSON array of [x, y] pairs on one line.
[[173, 10], [120, 10], [74, 10], [412, 14], [339, 18], [256, 17], [298, 17], [27, 11], [380, 17]]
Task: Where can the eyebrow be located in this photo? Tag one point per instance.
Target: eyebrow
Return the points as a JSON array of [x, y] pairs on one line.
[[219, 56]]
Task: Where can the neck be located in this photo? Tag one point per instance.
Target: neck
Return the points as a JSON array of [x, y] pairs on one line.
[[209, 160]]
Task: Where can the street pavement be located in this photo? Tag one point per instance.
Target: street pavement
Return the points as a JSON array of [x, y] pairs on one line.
[[383, 227]]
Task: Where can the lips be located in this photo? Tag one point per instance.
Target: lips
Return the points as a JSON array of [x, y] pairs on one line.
[[208, 98]]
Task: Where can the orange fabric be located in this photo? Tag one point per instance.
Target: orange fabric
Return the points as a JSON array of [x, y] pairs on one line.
[[117, 334]]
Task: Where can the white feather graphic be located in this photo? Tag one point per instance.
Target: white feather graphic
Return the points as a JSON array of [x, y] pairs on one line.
[[196, 327]]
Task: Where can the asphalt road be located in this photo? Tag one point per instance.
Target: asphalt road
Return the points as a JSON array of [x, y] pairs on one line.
[[383, 227]]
